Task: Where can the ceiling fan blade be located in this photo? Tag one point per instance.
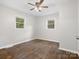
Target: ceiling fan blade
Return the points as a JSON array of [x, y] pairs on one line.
[[31, 4], [32, 9], [41, 1], [44, 6]]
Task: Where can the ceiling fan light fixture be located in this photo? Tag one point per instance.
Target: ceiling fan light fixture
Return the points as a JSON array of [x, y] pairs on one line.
[[38, 9], [38, 5]]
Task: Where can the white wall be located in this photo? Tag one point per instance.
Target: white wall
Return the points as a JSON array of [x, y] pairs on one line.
[[68, 25], [9, 34], [78, 26], [41, 30], [65, 26]]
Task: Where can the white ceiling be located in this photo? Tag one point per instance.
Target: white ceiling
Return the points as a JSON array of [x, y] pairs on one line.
[[21, 5]]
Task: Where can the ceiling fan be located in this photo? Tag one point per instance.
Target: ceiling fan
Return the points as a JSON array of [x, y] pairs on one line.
[[38, 5]]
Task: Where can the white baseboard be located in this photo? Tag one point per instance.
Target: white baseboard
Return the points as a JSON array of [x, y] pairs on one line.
[[69, 50], [13, 44]]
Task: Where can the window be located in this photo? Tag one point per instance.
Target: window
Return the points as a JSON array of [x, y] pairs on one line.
[[51, 24], [19, 22]]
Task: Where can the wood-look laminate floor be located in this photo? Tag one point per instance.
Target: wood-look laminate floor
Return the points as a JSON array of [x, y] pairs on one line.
[[36, 49]]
